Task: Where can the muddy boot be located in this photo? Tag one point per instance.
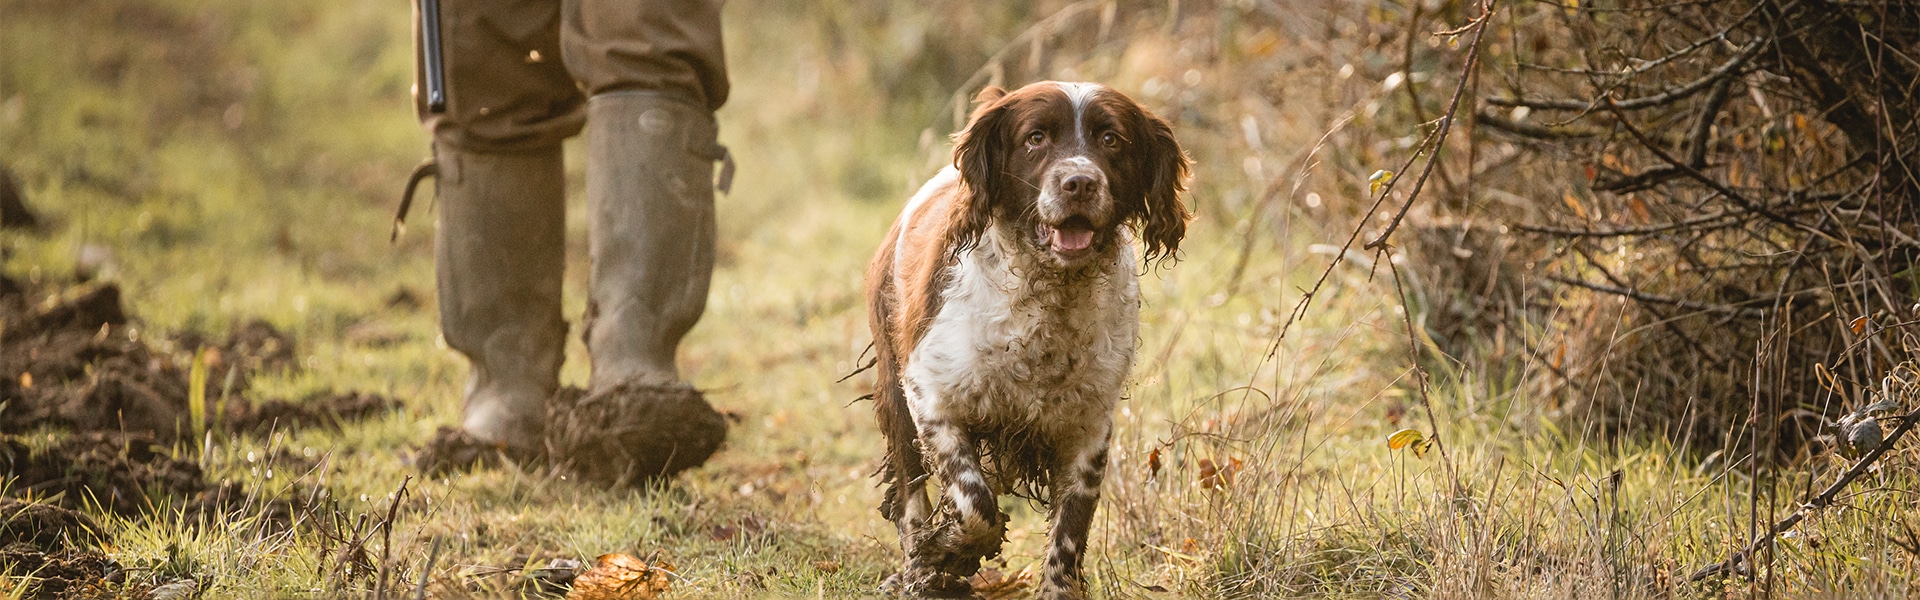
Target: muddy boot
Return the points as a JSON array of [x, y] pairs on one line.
[[650, 198], [650, 201], [499, 256]]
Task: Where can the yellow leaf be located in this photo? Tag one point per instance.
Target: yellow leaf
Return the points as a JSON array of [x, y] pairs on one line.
[[621, 577], [1405, 437], [1378, 180], [1420, 448]]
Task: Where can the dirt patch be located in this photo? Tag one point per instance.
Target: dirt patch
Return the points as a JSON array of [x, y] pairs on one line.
[[631, 434]]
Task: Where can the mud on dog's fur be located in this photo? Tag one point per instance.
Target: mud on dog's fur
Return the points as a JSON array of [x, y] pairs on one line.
[[1004, 305]]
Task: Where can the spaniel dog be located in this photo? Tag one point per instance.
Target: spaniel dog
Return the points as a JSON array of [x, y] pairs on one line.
[[1004, 305]]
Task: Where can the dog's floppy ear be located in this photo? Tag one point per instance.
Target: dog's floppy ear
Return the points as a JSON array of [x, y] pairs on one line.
[[980, 152], [1165, 168]]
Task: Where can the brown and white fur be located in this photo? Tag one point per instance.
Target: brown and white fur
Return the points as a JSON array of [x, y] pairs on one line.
[[1004, 306]]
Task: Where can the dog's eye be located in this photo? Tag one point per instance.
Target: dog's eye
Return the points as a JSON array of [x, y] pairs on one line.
[[1111, 140], [1034, 139]]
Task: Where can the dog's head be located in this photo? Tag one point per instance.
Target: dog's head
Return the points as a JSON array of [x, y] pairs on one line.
[[1065, 166]]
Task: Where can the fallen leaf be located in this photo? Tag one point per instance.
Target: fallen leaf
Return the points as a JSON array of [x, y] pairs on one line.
[[1574, 203], [1639, 209], [619, 576]]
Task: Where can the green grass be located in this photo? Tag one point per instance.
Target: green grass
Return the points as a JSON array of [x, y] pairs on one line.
[[240, 160]]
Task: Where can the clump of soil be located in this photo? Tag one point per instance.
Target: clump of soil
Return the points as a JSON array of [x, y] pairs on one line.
[[320, 410], [125, 473], [632, 434], [453, 449], [46, 526], [14, 213], [57, 546], [71, 361]]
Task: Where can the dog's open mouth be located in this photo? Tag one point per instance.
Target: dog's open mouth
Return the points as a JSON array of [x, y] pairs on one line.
[[1071, 236]]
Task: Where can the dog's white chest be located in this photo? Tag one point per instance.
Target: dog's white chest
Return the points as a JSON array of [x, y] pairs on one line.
[[1003, 351]]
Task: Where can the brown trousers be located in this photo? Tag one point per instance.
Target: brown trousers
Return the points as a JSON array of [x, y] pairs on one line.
[[518, 72]]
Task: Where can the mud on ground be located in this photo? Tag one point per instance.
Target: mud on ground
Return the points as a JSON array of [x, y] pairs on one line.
[[94, 418]]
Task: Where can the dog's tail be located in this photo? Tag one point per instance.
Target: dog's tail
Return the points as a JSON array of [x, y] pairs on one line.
[[903, 461]]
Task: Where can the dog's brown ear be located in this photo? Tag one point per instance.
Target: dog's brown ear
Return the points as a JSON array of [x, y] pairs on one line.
[[980, 153], [1166, 169]]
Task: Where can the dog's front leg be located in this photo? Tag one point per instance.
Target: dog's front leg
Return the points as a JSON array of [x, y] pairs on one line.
[[969, 526], [1075, 486]]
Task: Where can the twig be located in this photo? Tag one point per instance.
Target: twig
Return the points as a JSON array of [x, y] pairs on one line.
[[863, 368], [1699, 223], [1710, 182], [386, 536], [1657, 299], [1530, 130], [1823, 500], [426, 572], [1446, 125], [1670, 95]]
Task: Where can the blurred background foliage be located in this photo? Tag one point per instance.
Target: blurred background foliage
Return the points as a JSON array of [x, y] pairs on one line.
[[1613, 411]]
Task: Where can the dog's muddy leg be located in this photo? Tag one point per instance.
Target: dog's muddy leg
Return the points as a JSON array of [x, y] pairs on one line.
[[969, 526], [1076, 491]]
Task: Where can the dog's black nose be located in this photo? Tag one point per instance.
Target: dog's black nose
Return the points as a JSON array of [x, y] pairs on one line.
[[1077, 185]]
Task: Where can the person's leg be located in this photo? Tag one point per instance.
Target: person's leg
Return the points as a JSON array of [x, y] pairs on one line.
[[499, 245], [654, 73]]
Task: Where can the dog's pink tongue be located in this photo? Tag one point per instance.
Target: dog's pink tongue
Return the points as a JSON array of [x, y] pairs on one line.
[[1072, 239]]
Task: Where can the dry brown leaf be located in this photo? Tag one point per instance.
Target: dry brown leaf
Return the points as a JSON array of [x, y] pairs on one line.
[[1574, 203], [622, 577], [1218, 477], [1639, 209], [1153, 463]]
